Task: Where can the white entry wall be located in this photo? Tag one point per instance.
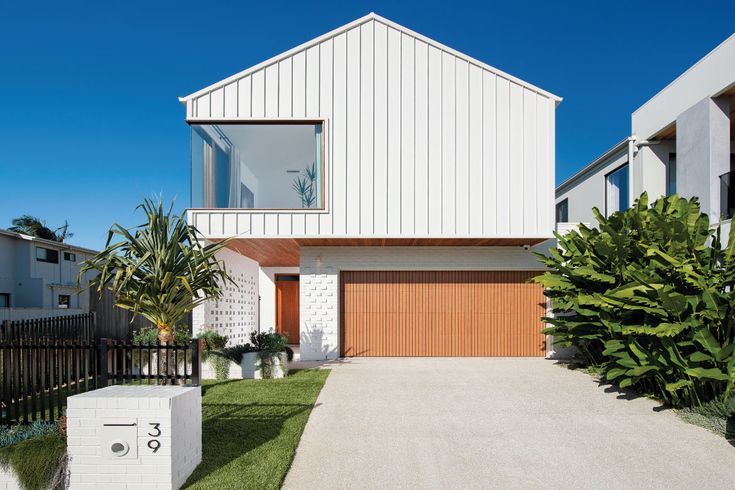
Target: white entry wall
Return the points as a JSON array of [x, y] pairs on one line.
[[267, 286]]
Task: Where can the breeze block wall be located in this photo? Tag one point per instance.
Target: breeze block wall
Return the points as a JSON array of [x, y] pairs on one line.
[[235, 314], [162, 425]]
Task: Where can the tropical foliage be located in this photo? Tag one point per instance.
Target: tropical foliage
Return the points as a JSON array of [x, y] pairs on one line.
[[648, 297], [30, 225], [160, 269]]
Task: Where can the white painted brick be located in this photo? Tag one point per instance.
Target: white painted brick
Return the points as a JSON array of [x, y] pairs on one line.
[[176, 409]]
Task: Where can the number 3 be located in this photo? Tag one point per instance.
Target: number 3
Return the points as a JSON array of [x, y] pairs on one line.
[[157, 427]]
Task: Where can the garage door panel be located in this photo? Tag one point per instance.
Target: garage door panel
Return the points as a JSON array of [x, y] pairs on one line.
[[444, 313]]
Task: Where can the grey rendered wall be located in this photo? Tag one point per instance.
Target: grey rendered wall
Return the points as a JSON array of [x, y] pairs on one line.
[[589, 192]]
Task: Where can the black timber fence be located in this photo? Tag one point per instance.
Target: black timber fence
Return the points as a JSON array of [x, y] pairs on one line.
[[74, 327], [39, 374]]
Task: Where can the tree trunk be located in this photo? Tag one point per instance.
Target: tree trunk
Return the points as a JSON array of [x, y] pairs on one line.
[[165, 337]]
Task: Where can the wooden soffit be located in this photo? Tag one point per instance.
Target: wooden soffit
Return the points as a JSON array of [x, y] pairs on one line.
[[285, 252]]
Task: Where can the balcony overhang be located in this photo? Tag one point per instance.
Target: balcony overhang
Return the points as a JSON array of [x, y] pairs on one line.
[[283, 252]]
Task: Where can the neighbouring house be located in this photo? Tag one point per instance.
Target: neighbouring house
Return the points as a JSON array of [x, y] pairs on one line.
[[385, 194], [681, 142], [38, 277]]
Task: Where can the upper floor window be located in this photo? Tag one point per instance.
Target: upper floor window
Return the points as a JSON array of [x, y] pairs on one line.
[[562, 211], [257, 166], [47, 255], [4, 300], [616, 190], [70, 256]]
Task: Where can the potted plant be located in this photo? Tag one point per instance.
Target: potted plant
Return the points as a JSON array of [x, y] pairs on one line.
[[213, 354], [266, 357]]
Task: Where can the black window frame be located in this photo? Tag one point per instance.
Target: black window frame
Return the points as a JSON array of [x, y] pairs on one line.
[[607, 185], [70, 256], [565, 204], [68, 301], [49, 251], [671, 174], [7, 299]]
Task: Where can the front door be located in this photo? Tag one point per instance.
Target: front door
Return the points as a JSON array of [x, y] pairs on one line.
[[287, 306]]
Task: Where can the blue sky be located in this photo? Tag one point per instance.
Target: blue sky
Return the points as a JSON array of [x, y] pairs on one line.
[[91, 123]]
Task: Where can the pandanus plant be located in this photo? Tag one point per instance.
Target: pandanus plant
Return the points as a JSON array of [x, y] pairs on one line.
[[160, 269]]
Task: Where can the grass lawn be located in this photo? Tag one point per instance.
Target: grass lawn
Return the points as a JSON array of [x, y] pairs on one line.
[[250, 429]]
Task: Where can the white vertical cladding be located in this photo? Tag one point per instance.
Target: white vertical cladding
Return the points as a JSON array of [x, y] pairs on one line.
[[419, 139], [393, 129], [326, 104], [408, 135], [367, 168]]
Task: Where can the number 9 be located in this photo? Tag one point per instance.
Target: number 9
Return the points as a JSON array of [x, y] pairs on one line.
[[154, 444]]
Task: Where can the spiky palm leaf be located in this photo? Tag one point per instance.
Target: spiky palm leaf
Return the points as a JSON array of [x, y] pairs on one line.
[[160, 269]]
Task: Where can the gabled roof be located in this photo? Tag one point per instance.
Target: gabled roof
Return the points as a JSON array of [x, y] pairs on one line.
[[43, 241], [362, 20]]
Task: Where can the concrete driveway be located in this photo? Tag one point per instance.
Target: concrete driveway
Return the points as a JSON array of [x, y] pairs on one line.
[[471, 422]]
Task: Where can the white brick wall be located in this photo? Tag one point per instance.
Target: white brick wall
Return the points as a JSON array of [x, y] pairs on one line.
[[176, 410], [320, 268], [8, 480]]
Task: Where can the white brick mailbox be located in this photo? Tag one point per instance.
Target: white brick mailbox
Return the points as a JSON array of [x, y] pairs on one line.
[[134, 437]]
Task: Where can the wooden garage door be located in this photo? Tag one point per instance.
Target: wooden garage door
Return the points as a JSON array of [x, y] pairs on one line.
[[446, 313]]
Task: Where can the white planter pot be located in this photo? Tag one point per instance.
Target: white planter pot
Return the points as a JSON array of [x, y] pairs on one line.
[[264, 365], [8, 480], [209, 373]]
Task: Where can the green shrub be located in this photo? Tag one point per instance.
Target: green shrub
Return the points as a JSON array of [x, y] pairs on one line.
[[213, 340], [14, 434], [647, 296], [268, 342], [235, 352], [717, 416], [149, 335]]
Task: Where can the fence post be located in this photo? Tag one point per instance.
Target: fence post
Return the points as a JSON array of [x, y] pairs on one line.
[[4, 327], [103, 378], [196, 361]]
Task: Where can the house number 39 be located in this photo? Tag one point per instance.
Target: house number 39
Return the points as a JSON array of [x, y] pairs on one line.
[[154, 444]]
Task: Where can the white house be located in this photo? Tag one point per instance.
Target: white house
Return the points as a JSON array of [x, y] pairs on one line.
[[38, 277], [383, 193], [681, 141]]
